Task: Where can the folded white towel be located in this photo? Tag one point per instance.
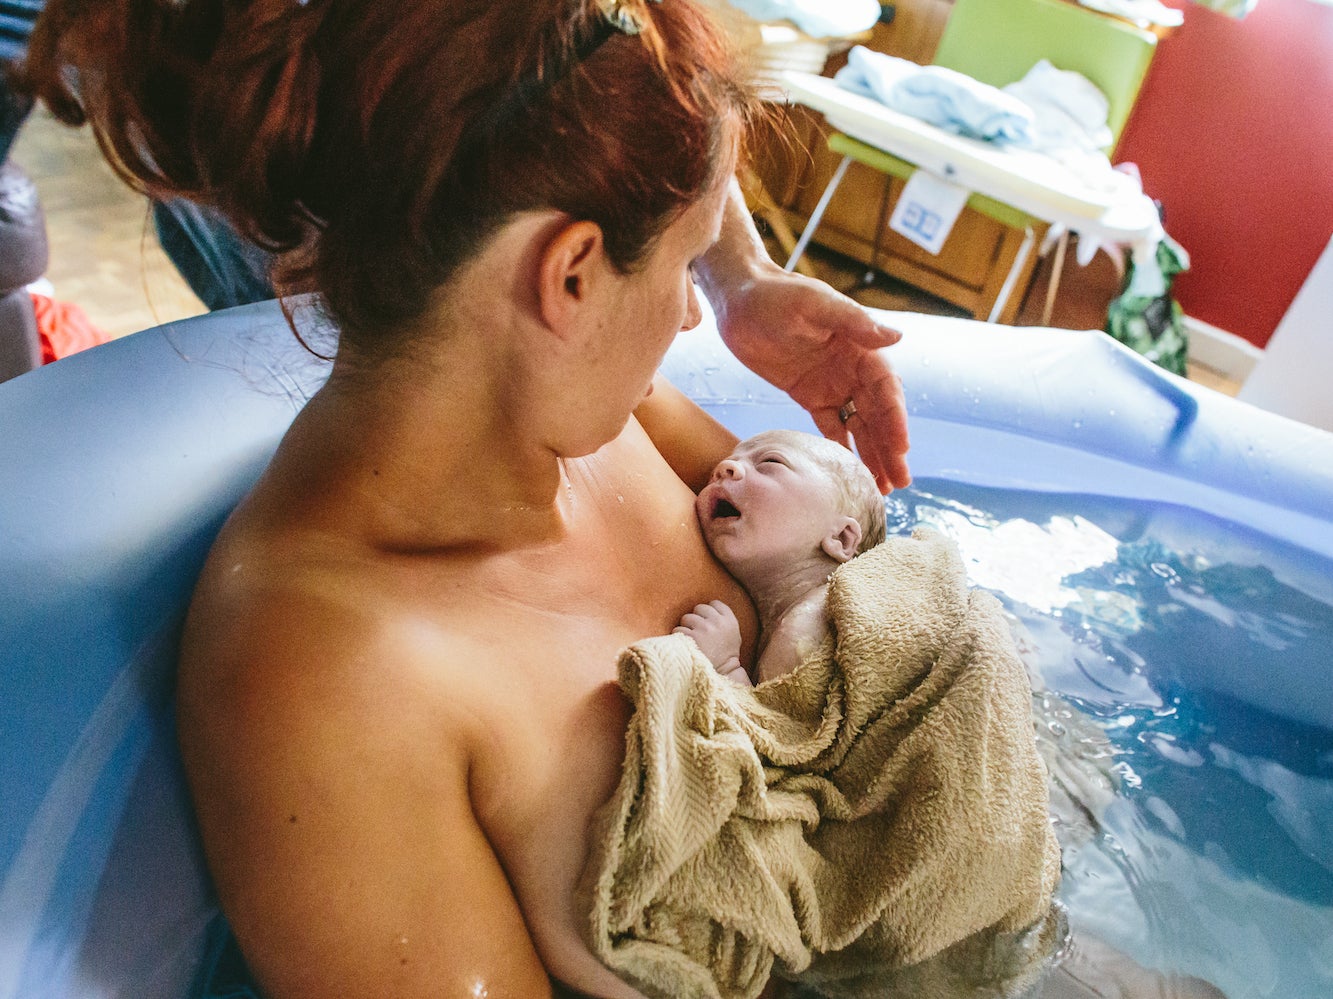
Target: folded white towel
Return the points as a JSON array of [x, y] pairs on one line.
[[1070, 111], [1140, 12], [820, 18]]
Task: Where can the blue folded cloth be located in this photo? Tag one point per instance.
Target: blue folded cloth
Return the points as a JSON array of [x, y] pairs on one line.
[[943, 97]]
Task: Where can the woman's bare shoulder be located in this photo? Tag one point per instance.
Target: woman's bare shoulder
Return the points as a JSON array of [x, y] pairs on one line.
[[329, 743], [292, 638], [267, 615]]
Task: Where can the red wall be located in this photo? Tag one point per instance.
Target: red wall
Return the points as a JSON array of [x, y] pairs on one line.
[[1233, 133]]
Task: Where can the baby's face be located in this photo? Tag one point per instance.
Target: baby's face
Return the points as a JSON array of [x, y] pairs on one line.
[[768, 504]]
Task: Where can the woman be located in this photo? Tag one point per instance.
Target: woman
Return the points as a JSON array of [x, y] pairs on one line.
[[396, 699]]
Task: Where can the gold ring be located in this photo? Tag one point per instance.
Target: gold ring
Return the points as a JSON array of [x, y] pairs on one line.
[[847, 411]]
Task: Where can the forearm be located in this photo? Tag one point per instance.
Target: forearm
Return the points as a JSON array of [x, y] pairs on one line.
[[737, 257], [814, 343], [690, 440]]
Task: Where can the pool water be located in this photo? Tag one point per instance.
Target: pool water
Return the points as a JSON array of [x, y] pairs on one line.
[[1183, 701]]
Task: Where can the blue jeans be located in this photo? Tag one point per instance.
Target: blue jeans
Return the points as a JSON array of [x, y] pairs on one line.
[[220, 266], [16, 20]]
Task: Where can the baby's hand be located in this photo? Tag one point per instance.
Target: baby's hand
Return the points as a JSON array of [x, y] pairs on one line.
[[716, 631]]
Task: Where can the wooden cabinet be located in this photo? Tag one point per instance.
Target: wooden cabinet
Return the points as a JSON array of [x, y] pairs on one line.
[[796, 165]]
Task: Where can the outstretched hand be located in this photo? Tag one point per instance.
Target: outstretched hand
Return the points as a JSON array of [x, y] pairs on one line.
[[823, 350], [814, 343]]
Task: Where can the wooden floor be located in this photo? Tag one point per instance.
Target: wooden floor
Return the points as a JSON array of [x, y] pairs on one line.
[[104, 254], [105, 257]]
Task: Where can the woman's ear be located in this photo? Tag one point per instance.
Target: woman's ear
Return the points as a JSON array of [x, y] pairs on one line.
[[569, 265], [841, 543]]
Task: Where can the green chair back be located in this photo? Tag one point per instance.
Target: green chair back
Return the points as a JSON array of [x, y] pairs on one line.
[[998, 41]]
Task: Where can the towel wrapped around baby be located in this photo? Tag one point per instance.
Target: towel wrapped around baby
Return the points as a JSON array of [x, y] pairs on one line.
[[872, 823]]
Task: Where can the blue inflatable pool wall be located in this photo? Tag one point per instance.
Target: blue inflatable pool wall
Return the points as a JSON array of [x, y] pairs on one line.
[[121, 463]]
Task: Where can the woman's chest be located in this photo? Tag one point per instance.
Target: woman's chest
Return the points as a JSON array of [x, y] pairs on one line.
[[554, 755], [629, 561], [556, 717], [549, 650]]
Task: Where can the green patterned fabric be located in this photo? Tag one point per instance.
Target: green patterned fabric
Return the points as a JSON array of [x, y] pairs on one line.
[[1145, 317]]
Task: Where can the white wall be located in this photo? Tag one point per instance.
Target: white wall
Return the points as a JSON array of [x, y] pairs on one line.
[[1295, 375]]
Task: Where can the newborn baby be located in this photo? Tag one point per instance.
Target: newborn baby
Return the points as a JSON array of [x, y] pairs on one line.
[[836, 827], [781, 513]]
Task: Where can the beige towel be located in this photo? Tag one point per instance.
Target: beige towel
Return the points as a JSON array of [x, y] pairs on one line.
[[873, 823]]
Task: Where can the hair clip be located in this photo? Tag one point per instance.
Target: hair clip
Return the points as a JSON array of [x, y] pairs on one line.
[[621, 17]]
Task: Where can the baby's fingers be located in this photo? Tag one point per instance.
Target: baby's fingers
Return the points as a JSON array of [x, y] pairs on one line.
[[721, 609], [697, 618]]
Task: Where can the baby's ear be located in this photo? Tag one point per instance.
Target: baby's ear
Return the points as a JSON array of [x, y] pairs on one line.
[[841, 543]]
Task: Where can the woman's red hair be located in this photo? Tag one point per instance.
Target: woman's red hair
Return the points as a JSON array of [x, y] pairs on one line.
[[376, 143]]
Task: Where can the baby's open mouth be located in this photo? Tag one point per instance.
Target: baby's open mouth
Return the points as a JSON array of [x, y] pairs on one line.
[[724, 509]]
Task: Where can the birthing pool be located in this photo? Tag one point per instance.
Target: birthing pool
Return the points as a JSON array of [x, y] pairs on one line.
[[1198, 830], [1164, 553]]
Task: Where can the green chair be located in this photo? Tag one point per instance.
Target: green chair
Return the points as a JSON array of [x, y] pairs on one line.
[[997, 42]]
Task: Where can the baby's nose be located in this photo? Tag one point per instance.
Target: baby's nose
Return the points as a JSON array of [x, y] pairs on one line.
[[727, 468]]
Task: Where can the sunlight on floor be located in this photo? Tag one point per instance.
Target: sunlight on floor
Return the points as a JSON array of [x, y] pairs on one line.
[[104, 253]]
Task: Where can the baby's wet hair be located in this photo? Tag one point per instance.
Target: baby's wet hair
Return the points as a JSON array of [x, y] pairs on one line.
[[858, 495]]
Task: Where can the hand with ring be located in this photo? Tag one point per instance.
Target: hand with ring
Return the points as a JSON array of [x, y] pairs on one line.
[[811, 341]]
